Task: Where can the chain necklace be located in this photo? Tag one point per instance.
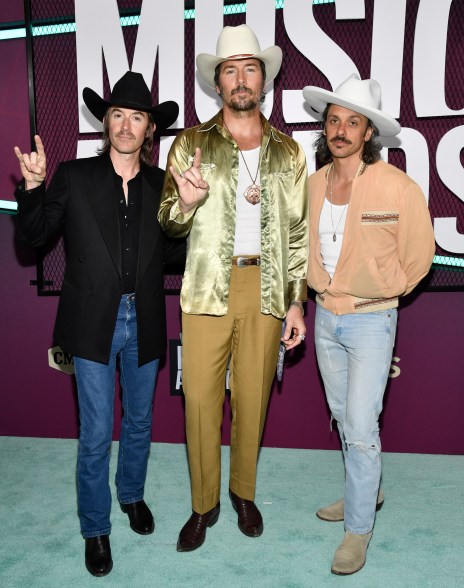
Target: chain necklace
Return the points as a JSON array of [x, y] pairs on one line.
[[334, 230], [253, 192]]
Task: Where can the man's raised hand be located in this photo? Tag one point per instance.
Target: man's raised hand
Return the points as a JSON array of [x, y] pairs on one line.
[[33, 165], [192, 187]]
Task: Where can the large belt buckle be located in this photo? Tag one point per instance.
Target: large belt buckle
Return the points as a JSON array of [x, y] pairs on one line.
[[246, 261]]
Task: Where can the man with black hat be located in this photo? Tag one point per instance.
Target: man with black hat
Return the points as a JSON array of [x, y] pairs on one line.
[[370, 241], [112, 299], [237, 188]]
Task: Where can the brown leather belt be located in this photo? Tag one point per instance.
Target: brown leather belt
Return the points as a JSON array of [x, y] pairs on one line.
[[246, 261]]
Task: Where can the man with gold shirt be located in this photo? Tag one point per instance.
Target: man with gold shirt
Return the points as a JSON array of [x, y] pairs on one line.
[[237, 188]]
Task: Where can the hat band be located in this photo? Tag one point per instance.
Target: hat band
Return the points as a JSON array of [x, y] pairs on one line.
[[240, 55]]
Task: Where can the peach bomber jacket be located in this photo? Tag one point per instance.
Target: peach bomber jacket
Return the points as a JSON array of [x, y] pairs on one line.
[[388, 243]]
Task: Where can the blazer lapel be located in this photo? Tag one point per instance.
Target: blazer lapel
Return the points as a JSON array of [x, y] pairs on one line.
[[105, 207]]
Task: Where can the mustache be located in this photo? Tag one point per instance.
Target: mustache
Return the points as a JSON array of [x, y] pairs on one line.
[[241, 88], [123, 134], [339, 138]]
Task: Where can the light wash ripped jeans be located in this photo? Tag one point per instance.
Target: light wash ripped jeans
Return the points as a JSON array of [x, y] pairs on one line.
[[354, 353]]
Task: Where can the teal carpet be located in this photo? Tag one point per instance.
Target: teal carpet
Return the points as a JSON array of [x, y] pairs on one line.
[[418, 538]]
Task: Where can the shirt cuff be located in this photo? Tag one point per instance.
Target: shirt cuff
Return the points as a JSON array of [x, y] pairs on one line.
[[176, 215], [21, 188], [298, 290]]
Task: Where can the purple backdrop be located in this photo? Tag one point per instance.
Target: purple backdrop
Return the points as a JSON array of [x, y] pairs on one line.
[[424, 404]]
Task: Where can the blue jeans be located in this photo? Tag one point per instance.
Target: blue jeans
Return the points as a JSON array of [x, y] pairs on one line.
[[354, 354], [96, 390]]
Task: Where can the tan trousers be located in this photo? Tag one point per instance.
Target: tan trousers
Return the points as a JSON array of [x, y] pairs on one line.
[[252, 340]]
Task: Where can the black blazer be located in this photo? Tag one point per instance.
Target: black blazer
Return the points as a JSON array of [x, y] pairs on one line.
[[81, 201]]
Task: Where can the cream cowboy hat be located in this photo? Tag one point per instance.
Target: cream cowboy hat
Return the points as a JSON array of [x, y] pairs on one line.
[[362, 96], [239, 43]]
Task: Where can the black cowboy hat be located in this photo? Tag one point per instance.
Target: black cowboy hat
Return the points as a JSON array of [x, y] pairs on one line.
[[132, 92]]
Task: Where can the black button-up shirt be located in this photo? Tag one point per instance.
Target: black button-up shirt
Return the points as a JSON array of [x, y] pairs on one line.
[[129, 228]]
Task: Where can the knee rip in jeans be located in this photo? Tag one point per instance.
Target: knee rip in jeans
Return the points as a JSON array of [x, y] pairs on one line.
[[360, 446]]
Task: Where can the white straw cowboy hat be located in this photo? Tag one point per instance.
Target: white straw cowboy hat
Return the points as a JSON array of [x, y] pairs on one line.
[[239, 43], [362, 96]]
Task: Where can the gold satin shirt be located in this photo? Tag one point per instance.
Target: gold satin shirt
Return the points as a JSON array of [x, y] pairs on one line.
[[211, 225]]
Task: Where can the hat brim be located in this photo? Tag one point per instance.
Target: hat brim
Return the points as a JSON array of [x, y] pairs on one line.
[[164, 114], [271, 57], [318, 99]]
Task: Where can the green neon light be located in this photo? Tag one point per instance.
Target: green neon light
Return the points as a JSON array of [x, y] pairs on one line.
[[8, 207], [12, 34], [8, 204], [126, 21], [450, 261], [61, 29]]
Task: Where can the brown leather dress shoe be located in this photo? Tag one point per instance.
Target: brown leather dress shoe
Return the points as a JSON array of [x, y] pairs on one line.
[[140, 517], [250, 521], [193, 533], [98, 555]]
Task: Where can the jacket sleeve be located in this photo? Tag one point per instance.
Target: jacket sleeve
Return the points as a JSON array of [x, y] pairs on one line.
[[416, 240], [41, 212], [172, 220], [174, 255], [299, 231]]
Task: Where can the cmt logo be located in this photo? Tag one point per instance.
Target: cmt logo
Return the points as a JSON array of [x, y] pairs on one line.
[[60, 360], [394, 369]]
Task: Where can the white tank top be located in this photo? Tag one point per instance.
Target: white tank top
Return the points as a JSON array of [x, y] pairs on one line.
[[248, 216], [330, 249]]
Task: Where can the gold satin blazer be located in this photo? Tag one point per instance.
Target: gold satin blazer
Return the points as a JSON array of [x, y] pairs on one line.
[[211, 225]]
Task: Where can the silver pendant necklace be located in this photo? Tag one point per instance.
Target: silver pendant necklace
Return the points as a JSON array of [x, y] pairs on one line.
[[253, 192], [334, 230]]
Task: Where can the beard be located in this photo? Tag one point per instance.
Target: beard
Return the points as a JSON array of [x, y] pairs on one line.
[[243, 105], [249, 103]]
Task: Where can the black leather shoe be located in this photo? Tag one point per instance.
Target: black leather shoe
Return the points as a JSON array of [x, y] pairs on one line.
[[98, 555], [193, 533], [250, 521], [140, 517]]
